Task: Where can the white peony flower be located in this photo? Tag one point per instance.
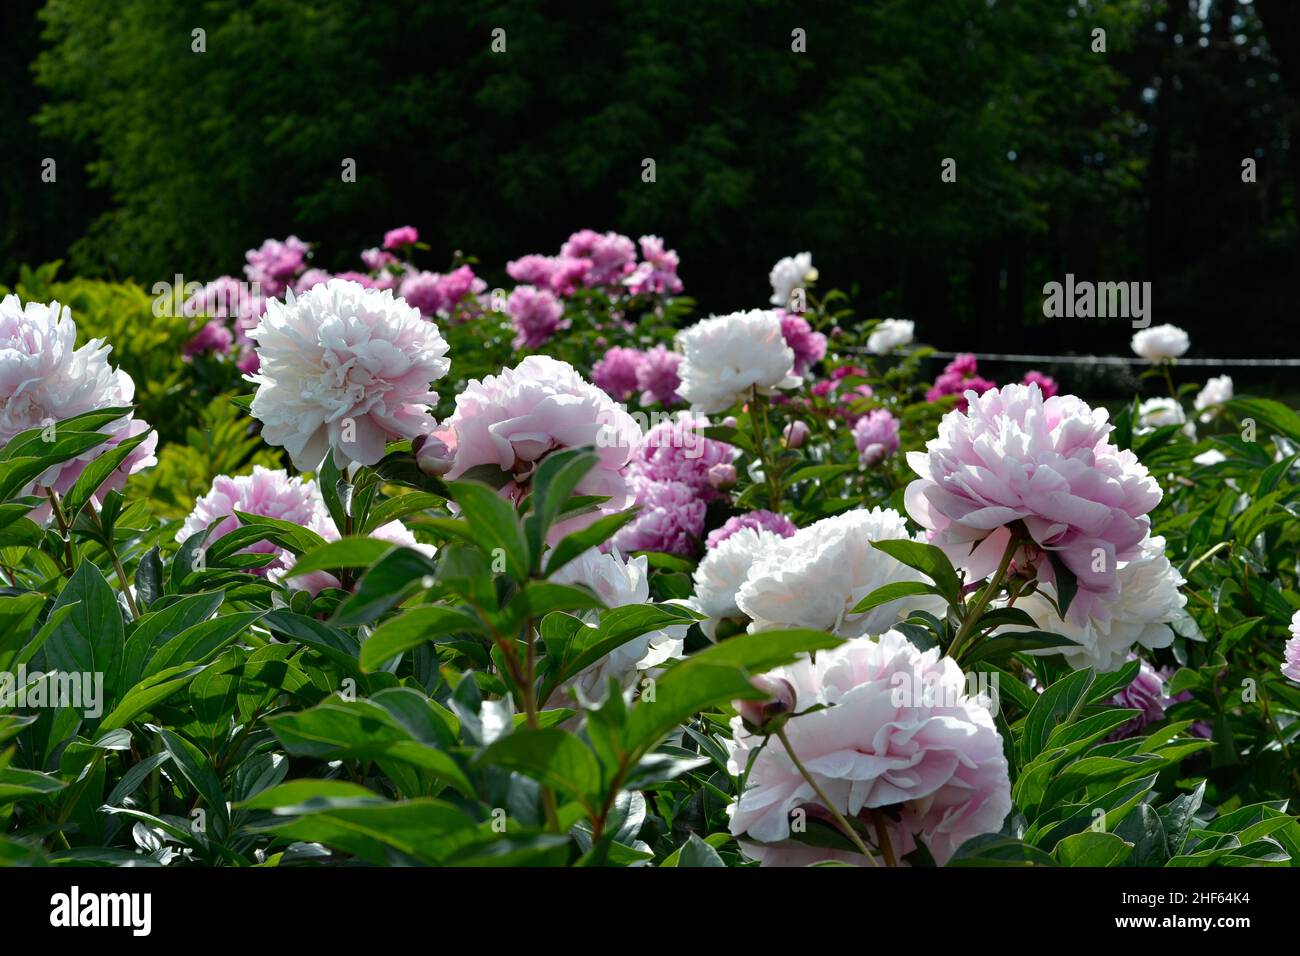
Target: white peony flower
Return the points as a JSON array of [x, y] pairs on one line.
[[1217, 391], [1291, 651], [347, 368], [815, 577], [1155, 412], [1211, 457], [889, 335], [724, 569], [618, 582], [792, 272], [1160, 343], [1148, 600], [898, 733], [45, 379], [725, 357]]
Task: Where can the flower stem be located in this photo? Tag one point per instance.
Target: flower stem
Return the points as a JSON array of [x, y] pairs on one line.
[[64, 532], [965, 632], [1169, 381], [843, 824], [757, 406]]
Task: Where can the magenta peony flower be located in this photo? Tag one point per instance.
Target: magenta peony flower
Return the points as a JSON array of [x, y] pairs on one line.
[[898, 733], [457, 285], [45, 379], [657, 272], [1014, 456], [516, 418], [657, 377], [809, 347], [671, 519], [536, 315], [424, 291], [215, 336], [1145, 694], [376, 260], [344, 368], [677, 451], [876, 435], [401, 236], [531, 270], [275, 264], [616, 373], [1045, 383], [760, 520], [612, 257], [222, 298]]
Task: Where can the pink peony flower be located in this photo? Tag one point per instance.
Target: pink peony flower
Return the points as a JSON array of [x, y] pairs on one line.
[[760, 520], [795, 434], [671, 519], [876, 435], [1145, 694], [612, 257], [898, 734], [45, 379], [424, 291], [222, 298], [310, 280], [657, 272], [516, 418], [809, 347], [377, 260], [362, 279], [677, 451], [275, 264], [957, 378], [1046, 384], [344, 368], [1013, 456], [457, 285], [616, 373], [213, 337], [536, 315], [531, 270], [401, 236], [1291, 666], [657, 377]]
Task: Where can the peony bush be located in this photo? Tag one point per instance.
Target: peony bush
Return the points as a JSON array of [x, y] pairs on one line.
[[404, 568]]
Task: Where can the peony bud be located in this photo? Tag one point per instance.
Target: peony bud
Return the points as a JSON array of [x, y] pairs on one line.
[[730, 421], [722, 476], [795, 434], [767, 716], [432, 455]]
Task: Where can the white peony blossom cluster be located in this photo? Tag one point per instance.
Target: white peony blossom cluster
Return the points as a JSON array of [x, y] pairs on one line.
[[345, 368], [618, 582], [889, 335], [726, 357], [790, 273], [1217, 391], [1148, 600], [722, 571]]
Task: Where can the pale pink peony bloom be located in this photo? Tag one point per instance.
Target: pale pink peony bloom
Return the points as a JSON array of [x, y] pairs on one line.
[[616, 372], [1291, 666], [657, 377], [657, 272], [401, 236], [45, 379], [273, 493], [377, 260], [876, 435], [516, 418], [344, 368], [795, 434], [790, 273], [536, 315], [723, 477], [1014, 456], [898, 734]]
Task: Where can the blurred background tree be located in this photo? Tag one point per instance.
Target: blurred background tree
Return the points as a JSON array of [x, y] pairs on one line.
[[1123, 165]]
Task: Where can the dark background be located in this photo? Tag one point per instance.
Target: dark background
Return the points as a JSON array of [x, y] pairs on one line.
[[1124, 165]]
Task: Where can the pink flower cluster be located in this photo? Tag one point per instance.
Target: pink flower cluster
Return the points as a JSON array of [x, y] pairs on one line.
[[958, 377], [590, 259], [809, 347], [623, 372], [536, 315], [760, 520], [843, 401], [455, 294], [876, 435], [275, 264], [673, 475]]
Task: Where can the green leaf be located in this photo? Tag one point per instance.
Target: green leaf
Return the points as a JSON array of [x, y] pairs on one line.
[[1092, 848], [412, 628], [1059, 704], [597, 533], [493, 524], [90, 639], [1008, 643], [553, 757], [554, 483], [352, 552], [892, 592], [927, 559], [195, 768], [17, 618], [97, 472]]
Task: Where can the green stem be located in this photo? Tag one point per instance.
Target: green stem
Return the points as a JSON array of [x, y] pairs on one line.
[[64, 531], [117, 565], [1169, 381], [757, 406], [843, 824], [966, 632]]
